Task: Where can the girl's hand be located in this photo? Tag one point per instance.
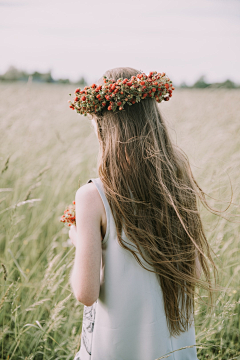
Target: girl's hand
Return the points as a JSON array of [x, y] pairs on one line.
[[73, 234]]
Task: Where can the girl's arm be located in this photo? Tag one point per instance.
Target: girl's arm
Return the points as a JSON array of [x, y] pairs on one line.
[[86, 236]]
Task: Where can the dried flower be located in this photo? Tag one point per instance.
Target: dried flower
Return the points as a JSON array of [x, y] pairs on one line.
[[68, 216], [155, 85]]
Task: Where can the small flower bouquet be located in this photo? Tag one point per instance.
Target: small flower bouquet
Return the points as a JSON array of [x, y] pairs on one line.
[[69, 215]]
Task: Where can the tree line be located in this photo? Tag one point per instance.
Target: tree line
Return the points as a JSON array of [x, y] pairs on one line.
[[201, 83], [13, 74]]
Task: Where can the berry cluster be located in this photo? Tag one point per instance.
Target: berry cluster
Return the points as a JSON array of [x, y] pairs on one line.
[[69, 215], [115, 94]]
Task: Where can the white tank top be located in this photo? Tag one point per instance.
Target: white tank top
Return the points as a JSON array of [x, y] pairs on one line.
[[128, 321]]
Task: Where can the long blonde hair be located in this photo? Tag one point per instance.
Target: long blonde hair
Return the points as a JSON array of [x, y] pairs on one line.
[[162, 218]]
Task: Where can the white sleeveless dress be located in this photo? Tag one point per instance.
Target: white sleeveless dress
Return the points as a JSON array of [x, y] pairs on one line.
[[128, 321]]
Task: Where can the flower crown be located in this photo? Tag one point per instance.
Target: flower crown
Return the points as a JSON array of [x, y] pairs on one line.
[[115, 94]]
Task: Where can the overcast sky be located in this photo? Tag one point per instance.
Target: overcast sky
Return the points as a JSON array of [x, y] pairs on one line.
[[74, 38]]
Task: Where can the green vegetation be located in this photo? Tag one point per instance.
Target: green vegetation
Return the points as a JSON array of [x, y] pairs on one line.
[[47, 152], [202, 84], [13, 74]]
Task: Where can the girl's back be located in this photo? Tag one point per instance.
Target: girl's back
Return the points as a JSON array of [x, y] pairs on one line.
[[128, 321]]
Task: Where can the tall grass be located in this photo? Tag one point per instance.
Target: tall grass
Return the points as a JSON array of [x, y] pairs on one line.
[[47, 152]]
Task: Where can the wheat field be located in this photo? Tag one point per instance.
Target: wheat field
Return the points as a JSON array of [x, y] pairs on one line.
[[47, 152]]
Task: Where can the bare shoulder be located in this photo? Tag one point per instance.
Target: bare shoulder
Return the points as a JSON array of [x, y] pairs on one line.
[[87, 190], [88, 196], [89, 206]]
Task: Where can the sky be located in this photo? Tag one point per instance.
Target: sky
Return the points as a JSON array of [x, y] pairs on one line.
[[75, 38]]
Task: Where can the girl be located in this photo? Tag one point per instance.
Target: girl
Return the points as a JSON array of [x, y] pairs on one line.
[[140, 244]]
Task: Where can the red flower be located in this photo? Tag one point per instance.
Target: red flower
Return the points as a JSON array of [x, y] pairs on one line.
[[173, 88], [112, 87], [120, 108], [73, 202]]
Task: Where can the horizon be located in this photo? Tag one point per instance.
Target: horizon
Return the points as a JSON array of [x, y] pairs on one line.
[[183, 84]]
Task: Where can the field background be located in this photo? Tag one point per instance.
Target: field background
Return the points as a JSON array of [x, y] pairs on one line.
[[47, 151]]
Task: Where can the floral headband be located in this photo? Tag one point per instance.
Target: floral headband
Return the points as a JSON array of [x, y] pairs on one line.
[[115, 94]]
